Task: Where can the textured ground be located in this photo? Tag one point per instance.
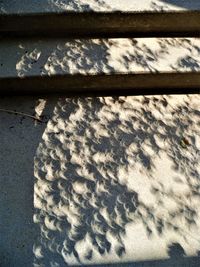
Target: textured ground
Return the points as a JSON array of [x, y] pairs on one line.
[[93, 56], [105, 180], [101, 180], [29, 6]]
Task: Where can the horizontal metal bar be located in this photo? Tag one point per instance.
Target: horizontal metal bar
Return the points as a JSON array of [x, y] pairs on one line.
[[114, 84], [114, 24]]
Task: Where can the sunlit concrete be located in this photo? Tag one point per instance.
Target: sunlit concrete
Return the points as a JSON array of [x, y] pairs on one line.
[[29, 6], [98, 56], [102, 180]]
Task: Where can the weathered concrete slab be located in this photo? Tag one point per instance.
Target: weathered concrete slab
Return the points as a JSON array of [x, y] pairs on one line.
[[106, 180], [21, 57], [99, 63]]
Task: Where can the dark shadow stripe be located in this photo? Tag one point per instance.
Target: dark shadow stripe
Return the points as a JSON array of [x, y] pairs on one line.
[[114, 84], [72, 24], [177, 262]]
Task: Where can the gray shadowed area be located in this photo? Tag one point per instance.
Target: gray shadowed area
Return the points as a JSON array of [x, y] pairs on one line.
[[19, 138], [186, 4]]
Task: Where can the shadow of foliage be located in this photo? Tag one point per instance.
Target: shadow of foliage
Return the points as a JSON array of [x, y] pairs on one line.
[[97, 56], [175, 250], [94, 151], [79, 5], [83, 192], [27, 6]]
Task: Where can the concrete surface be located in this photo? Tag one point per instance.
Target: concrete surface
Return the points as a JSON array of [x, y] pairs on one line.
[[29, 6], [105, 180], [101, 180], [97, 56]]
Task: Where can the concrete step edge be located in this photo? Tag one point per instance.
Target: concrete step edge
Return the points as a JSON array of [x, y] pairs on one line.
[[113, 84], [111, 24]]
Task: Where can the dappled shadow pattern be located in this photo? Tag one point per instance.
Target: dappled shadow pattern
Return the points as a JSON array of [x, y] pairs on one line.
[[97, 56], [75, 197], [88, 171], [78, 56], [77, 5], [179, 132], [28, 6]]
